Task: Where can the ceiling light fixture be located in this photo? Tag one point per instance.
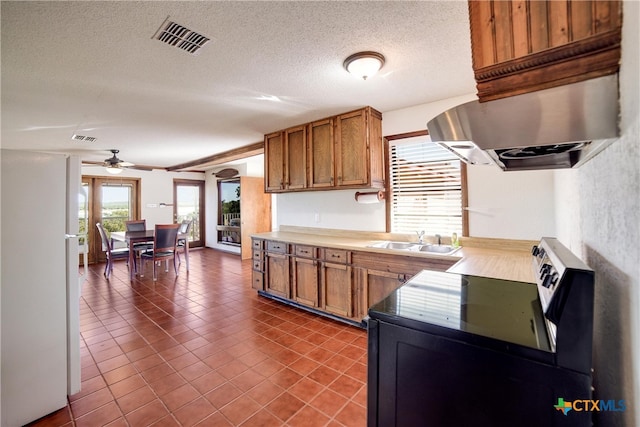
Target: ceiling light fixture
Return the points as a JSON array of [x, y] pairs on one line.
[[114, 169], [364, 64]]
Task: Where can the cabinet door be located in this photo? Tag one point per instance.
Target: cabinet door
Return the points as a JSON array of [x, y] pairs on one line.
[[352, 149], [305, 281], [277, 274], [296, 158], [337, 289], [255, 213], [321, 154], [377, 285], [524, 46], [274, 162]]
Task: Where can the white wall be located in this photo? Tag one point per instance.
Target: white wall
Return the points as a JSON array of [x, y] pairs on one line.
[[501, 204], [329, 209], [599, 219], [515, 204], [156, 188]]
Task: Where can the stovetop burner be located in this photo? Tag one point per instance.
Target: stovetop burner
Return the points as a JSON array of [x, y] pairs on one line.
[[542, 150]]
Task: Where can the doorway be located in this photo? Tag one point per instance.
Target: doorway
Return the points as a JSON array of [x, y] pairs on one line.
[[188, 203], [111, 202], [229, 212]]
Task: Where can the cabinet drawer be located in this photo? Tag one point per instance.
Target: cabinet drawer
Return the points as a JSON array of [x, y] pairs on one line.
[[337, 255], [258, 265], [257, 255], [306, 251], [278, 247], [257, 244], [257, 282]]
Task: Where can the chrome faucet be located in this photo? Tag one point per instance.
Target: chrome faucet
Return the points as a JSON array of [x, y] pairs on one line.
[[439, 239], [420, 236]]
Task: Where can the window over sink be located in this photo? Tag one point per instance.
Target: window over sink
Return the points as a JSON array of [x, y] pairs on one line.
[[427, 187]]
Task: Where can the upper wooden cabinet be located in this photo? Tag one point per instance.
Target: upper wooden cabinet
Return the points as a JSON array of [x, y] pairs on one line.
[[359, 149], [295, 150], [274, 178], [321, 154], [339, 152], [522, 46]]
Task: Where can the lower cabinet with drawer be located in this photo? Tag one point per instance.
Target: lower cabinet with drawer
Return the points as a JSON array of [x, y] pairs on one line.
[[257, 273], [336, 282], [304, 276]]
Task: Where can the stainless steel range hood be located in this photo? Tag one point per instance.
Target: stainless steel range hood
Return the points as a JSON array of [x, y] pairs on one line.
[[561, 127]]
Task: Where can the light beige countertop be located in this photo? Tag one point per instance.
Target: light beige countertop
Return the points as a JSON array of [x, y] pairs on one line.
[[496, 258]]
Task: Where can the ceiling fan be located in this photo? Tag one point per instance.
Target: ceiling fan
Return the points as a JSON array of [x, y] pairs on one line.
[[115, 166]]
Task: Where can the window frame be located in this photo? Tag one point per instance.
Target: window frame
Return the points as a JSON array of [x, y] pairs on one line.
[[388, 140]]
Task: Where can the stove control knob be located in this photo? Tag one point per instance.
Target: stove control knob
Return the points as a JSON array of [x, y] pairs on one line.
[[547, 281], [544, 270], [534, 250], [554, 278]]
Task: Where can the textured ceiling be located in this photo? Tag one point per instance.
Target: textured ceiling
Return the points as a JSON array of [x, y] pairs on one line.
[[92, 68]]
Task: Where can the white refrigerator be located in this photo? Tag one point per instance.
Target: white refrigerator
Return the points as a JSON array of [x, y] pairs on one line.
[[40, 284]]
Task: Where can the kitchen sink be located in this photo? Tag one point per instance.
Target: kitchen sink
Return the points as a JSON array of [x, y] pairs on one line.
[[415, 247], [394, 245], [439, 249]]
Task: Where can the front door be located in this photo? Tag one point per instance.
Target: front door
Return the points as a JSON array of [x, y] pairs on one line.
[[188, 203]]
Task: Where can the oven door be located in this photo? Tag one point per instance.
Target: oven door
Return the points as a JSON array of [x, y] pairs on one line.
[[421, 379]]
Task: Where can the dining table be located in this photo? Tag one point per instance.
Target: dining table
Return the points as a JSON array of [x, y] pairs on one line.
[[133, 237]]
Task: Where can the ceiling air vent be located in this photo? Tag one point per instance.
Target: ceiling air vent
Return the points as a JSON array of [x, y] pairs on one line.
[[181, 37], [83, 138]]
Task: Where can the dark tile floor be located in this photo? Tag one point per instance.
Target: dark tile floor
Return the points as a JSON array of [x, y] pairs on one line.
[[203, 349]]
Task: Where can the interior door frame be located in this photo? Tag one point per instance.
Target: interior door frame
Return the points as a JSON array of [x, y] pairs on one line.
[[95, 204], [201, 215]]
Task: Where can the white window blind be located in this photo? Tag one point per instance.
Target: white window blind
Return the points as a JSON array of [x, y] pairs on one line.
[[426, 189]]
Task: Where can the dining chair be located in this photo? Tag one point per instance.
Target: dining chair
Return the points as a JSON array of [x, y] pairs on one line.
[[138, 225], [165, 240], [185, 229], [111, 254]]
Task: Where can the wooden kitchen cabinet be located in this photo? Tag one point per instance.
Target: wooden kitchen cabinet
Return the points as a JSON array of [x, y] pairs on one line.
[[338, 281], [339, 152], [522, 46], [304, 272], [295, 169], [277, 279], [358, 159], [337, 288], [287, 154], [274, 150], [375, 285], [257, 273], [321, 154]]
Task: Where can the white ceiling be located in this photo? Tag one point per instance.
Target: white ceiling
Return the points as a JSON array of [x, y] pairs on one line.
[[92, 68]]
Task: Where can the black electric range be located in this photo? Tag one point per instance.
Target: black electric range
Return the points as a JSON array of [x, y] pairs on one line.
[[456, 350]]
